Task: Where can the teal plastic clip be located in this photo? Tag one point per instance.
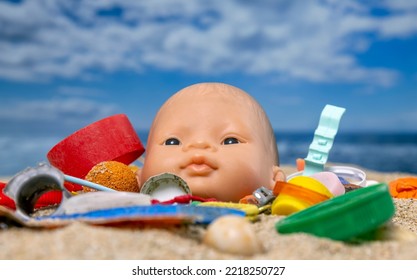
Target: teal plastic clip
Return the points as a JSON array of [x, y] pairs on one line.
[[323, 139]]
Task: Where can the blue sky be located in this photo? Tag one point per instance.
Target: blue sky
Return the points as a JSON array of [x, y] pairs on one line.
[[65, 64]]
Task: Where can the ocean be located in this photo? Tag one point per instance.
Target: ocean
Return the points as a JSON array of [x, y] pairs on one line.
[[385, 152]]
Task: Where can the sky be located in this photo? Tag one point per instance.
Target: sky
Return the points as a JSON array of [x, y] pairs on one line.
[[65, 64]]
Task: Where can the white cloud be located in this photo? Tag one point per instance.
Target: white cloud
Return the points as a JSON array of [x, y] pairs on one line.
[[313, 41], [401, 26]]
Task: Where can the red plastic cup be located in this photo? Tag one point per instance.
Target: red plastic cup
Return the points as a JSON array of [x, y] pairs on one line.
[[112, 138]]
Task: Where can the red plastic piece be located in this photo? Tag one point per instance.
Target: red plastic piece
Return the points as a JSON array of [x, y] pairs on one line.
[[183, 199], [112, 138], [5, 200], [47, 199]]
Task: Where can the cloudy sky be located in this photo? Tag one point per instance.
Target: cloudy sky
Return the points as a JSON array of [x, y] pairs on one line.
[[65, 64]]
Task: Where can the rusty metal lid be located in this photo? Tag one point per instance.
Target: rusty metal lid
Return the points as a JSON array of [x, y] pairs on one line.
[[165, 186]]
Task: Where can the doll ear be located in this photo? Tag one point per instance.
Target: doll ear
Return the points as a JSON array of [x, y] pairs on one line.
[[138, 175], [277, 175]]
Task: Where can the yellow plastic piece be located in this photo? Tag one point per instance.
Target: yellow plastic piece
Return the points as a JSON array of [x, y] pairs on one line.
[[249, 209], [286, 204], [311, 184]]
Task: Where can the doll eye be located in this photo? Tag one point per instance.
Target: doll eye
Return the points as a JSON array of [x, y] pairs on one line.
[[230, 141], [172, 141]]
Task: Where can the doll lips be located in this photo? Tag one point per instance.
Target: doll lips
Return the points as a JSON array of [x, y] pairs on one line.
[[199, 169], [199, 166]]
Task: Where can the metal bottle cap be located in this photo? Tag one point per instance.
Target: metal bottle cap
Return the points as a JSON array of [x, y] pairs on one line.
[[165, 186]]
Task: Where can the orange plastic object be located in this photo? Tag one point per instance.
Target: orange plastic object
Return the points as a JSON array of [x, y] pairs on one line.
[[302, 193], [300, 164], [110, 139], [299, 193], [405, 187], [248, 199]]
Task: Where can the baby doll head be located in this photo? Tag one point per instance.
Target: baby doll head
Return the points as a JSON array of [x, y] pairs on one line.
[[217, 138]]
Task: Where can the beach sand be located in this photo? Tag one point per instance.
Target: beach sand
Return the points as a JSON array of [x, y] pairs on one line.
[[86, 242]]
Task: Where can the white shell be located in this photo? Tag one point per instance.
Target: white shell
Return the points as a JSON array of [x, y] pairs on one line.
[[233, 234]]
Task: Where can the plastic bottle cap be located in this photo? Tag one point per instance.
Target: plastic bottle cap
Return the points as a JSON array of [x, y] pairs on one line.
[[351, 174]]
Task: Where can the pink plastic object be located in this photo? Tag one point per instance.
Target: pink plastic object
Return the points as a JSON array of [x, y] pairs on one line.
[[112, 138], [331, 181]]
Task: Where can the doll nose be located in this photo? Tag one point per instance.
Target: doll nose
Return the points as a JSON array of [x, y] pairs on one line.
[[199, 144]]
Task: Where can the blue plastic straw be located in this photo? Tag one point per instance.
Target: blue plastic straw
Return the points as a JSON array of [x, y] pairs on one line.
[[86, 183]]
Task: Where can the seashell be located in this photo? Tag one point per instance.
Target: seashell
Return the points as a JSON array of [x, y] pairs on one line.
[[233, 234]]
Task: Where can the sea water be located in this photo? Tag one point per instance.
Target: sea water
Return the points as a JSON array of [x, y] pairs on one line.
[[385, 152]]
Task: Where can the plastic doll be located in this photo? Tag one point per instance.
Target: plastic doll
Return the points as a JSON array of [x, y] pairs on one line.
[[217, 138]]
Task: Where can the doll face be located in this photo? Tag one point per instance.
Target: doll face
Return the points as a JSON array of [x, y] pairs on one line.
[[214, 143]]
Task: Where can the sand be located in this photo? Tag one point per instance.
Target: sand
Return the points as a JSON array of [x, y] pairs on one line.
[[85, 242]]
